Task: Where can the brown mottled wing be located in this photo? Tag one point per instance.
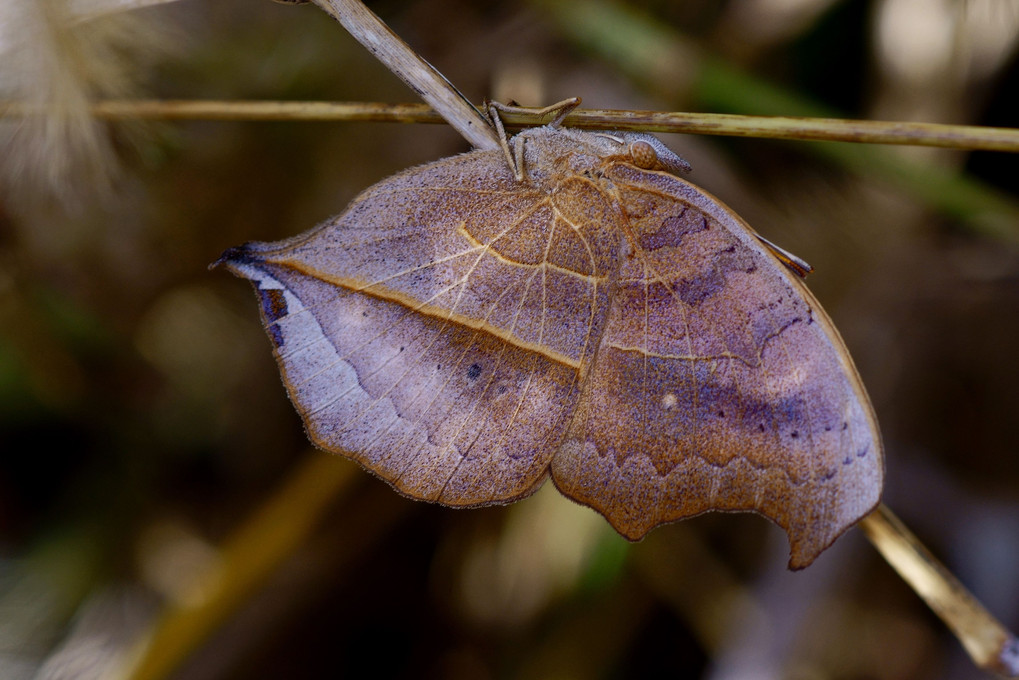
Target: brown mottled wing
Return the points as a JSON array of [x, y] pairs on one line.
[[719, 384], [425, 333]]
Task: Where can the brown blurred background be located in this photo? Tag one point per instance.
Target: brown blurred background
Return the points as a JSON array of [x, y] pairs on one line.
[[143, 423]]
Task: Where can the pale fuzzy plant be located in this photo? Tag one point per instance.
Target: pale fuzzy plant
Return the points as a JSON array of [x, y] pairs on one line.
[[56, 57]]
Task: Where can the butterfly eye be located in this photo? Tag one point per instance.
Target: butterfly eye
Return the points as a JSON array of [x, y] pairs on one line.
[[643, 155]]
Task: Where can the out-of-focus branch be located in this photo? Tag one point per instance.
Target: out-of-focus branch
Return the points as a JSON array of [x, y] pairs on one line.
[[248, 560], [991, 646]]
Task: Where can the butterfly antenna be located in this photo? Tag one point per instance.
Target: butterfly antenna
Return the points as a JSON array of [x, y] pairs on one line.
[[800, 266]]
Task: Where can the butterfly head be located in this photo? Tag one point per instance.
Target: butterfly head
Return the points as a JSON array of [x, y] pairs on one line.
[[640, 149]]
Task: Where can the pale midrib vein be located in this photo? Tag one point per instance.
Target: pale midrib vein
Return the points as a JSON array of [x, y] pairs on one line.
[[436, 312]]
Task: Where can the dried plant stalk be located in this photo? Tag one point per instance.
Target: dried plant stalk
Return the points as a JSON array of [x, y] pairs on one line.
[[419, 75], [968, 137], [990, 645]]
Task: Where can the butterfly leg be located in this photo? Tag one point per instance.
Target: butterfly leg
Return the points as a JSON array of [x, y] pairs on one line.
[[560, 109], [515, 156], [800, 266], [516, 162]]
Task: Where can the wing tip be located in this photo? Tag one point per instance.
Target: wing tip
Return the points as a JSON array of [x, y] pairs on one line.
[[237, 255]]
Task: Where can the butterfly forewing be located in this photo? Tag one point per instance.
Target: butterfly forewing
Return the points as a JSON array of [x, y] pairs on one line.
[[427, 333]]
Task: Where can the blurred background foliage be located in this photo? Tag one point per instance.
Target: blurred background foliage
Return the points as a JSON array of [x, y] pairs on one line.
[[151, 464]]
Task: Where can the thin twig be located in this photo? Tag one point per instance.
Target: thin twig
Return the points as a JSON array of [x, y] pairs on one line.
[[419, 75], [989, 644], [780, 127], [271, 111], [821, 129]]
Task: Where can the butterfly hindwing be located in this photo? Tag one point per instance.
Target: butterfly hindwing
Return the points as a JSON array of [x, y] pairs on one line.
[[719, 383]]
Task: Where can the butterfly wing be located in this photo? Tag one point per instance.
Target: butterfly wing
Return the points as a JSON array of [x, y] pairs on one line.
[[455, 331], [719, 383], [426, 334]]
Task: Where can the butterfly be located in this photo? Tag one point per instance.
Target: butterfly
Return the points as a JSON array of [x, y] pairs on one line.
[[570, 306]]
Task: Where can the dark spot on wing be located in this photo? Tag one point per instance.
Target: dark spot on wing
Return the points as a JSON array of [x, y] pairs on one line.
[[696, 290], [672, 230], [473, 371], [274, 304], [239, 255], [275, 334], [274, 307], [712, 280]]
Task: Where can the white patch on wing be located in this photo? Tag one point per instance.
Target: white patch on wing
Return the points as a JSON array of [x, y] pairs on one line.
[[326, 387]]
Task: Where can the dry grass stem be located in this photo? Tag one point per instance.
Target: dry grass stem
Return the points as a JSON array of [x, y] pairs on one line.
[[820, 129], [417, 73], [989, 644], [779, 127]]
